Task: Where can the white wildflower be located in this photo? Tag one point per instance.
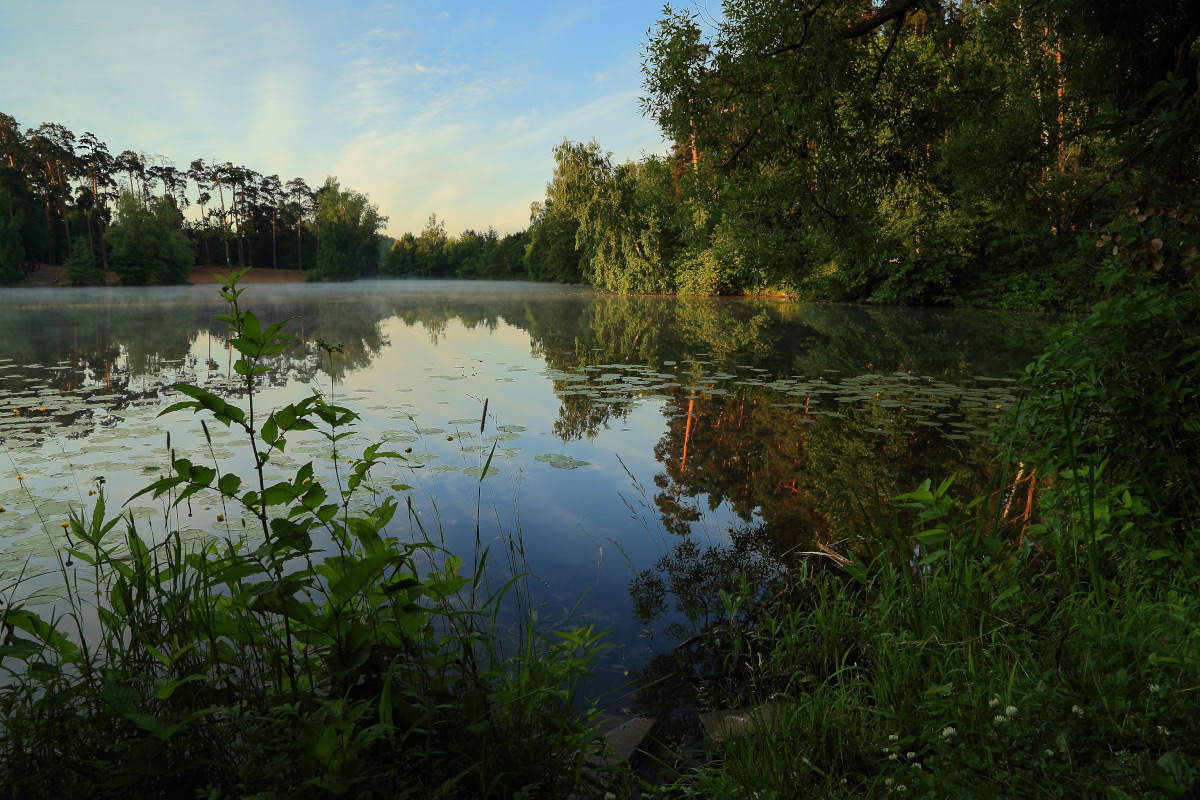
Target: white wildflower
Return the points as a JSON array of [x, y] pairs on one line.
[[995, 701], [1077, 711], [999, 719], [1049, 754], [888, 781], [910, 755], [1154, 687], [893, 757], [902, 788], [948, 732], [1011, 711], [893, 738]]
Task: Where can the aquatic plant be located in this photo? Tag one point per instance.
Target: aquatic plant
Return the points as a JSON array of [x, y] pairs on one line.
[[325, 658]]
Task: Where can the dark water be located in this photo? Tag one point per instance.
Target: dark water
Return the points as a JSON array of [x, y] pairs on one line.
[[662, 438]]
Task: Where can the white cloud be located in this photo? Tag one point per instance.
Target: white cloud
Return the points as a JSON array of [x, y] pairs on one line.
[[425, 111]]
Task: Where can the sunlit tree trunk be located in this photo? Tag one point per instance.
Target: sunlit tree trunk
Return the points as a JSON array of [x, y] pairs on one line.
[[224, 228]]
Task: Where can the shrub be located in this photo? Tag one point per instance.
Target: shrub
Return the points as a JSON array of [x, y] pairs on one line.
[[81, 269], [147, 244]]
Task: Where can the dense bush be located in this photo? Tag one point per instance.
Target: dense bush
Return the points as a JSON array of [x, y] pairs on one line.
[[147, 243], [81, 268]]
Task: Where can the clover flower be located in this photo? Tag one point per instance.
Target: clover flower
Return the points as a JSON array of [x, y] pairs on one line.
[[995, 701], [1077, 711], [1153, 687], [948, 732], [999, 719], [1011, 711]]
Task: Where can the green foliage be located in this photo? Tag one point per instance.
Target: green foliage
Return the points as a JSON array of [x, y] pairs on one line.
[[327, 659], [471, 255], [12, 252], [621, 236], [1115, 394], [81, 267], [401, 258], [348, 224], [146, 243], [899, 153], [550, 254], [941, 661]]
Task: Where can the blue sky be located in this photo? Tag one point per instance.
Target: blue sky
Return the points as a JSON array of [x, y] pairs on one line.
[[450, 108]]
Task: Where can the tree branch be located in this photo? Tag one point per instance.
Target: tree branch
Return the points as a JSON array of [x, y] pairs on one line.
[[886, 53], [804, 18], [896, 8], [753, 132]]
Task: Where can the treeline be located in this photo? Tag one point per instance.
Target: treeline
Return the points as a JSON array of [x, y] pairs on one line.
[[433, 253], [66, 199], [546, 251], [910, 151]]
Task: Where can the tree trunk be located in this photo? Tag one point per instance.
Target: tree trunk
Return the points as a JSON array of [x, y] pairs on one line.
[[299, 236], [224, 228]]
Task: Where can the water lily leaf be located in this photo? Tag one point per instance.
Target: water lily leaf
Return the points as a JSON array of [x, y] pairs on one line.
[[477, 472], [561, 461], [47, 594]]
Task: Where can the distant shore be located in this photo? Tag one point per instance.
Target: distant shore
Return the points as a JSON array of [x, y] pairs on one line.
[[53, 276]]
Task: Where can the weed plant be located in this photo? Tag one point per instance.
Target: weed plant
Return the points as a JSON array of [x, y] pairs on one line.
[[329, 660]]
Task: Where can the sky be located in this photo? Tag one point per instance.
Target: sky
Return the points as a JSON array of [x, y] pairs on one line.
[[451, 108]]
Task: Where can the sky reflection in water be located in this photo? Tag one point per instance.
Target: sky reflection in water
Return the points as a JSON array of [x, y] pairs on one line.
[[623, 428]]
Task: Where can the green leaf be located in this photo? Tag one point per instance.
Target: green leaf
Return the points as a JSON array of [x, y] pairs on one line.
[[229, 484], [358, 575]]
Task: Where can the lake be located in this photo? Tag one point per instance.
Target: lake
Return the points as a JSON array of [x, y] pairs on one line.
[[636, 445]]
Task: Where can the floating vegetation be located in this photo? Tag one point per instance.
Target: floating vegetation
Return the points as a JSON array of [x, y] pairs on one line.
[[561, 460], [477, 472], [47, 594]]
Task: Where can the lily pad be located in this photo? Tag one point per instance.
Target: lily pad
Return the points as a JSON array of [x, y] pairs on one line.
[[477, 472], [561, 460]]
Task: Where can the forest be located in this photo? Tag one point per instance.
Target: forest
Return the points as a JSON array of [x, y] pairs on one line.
[[986, 154]]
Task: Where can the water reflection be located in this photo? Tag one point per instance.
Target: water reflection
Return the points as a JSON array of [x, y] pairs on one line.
[[664, 441]]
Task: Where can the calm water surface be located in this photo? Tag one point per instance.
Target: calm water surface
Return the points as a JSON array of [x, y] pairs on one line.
[[635, 439]]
